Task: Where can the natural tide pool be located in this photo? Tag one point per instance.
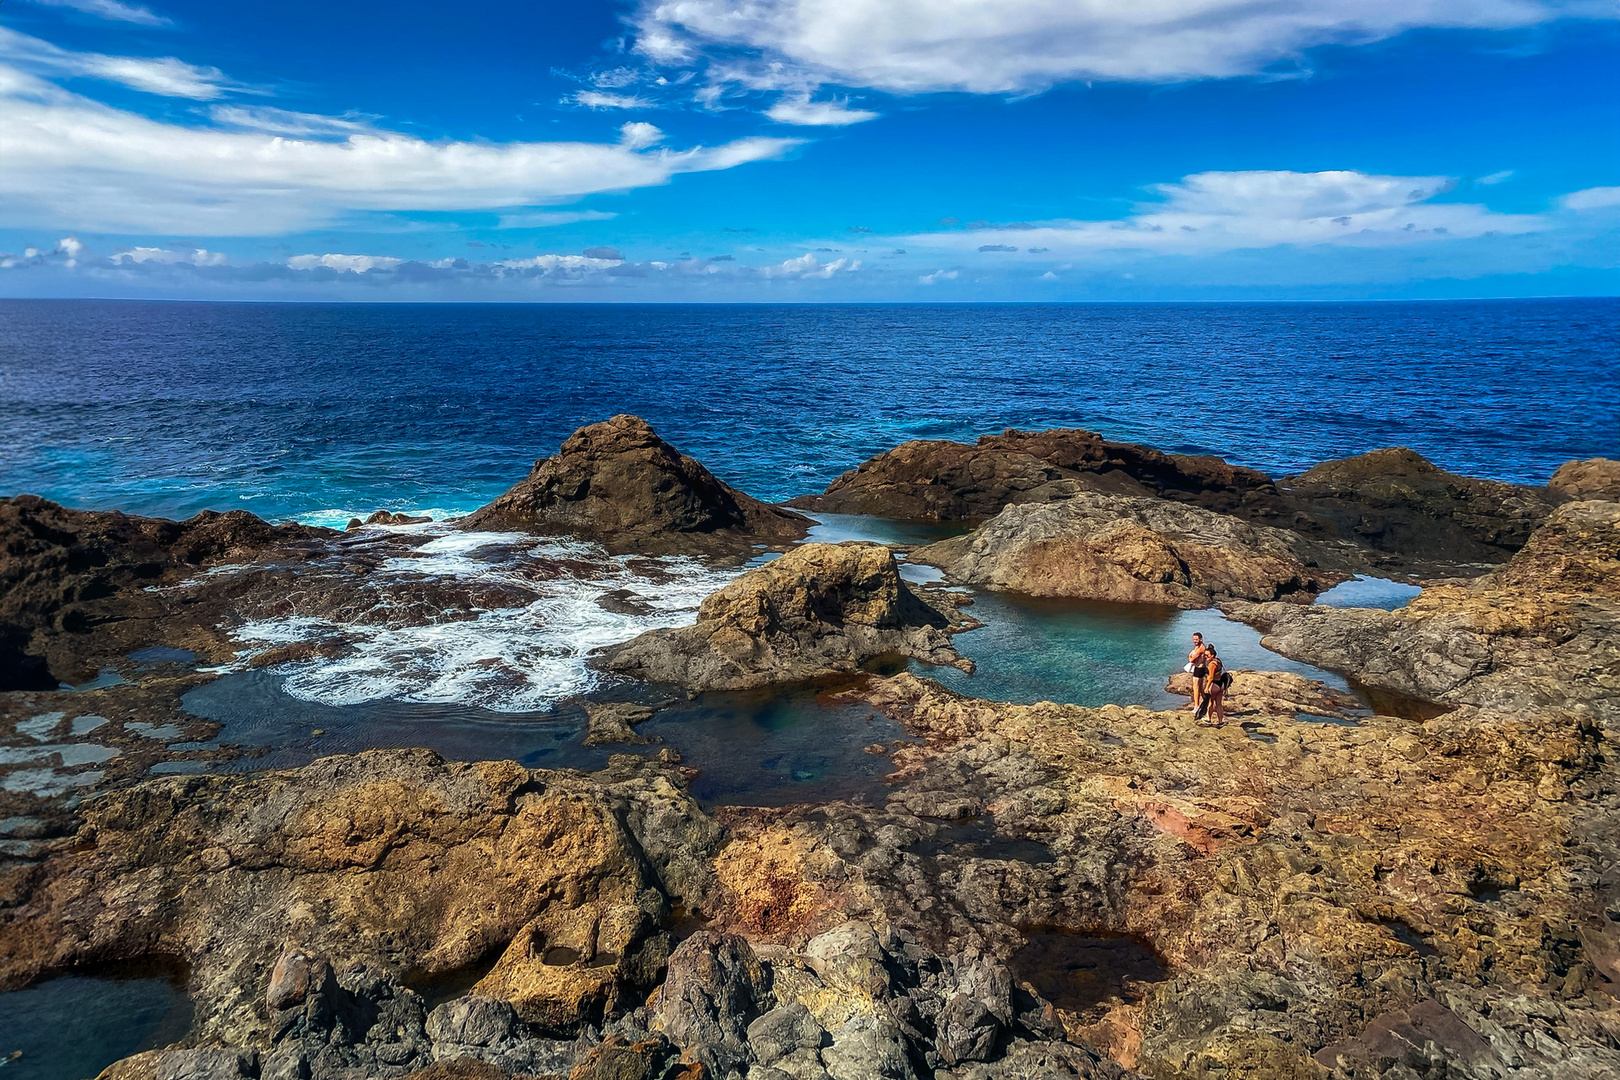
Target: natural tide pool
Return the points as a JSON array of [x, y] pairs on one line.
[[73, 1026]]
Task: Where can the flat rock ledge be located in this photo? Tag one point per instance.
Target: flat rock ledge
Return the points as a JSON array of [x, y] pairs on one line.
[[619, 484], [1138, 550], [821, 609]]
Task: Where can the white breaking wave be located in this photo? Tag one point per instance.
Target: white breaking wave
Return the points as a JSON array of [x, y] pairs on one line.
[[515, 659]]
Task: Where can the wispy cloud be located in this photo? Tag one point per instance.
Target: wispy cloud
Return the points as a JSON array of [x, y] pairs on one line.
[[603, 99], [74, 162], [165, 76], [1011, 46], [799, 109], [1225, 211], [1598, 198], [545, 219], [112, 10]]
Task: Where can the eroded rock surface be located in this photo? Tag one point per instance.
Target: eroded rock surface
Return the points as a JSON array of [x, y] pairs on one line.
[[1136, 550], [1594, 478], [76, 585], [931, 479], [619, 484], [820, 609], [1397, 501]]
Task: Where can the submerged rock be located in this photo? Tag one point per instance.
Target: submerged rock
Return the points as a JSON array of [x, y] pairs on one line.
[[1135, 550], [619, 484], [818, 610]]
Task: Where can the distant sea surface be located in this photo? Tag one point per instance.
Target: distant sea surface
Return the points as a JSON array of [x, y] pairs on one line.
[[319, 412]]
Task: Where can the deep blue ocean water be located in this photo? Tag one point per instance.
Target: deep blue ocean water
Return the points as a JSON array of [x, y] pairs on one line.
[[322, 411]]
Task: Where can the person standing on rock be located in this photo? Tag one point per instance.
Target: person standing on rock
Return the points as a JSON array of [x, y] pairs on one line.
[[1195, 667], [1215, 682]]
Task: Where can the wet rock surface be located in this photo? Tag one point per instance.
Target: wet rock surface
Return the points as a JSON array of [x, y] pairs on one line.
[[1138, 550], [618, 483], [820, 609]]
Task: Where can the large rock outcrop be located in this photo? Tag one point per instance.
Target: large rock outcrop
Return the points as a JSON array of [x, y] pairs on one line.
[[820, 609], [1397, 501], [1136, 550], [619, 484], [937, 480], [396, 860], [1410, 513], [76, 585]]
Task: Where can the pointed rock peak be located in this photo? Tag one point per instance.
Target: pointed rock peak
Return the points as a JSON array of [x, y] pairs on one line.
[[618, 483]]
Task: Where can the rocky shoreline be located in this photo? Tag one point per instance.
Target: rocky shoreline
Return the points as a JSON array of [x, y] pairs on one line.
[[1420, 880]]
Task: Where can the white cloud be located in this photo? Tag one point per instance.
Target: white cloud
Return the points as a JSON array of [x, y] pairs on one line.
[[544, 219], [69, 160], [171, 257], [166, 76], [1225, 211], [799, 109], [807, 266], [357, 264], [936, 277], [276, 121], [600, 99], [638, 135], [1596, 198], [1496, 177], [564, 264], [112, 10], [1000, 46]]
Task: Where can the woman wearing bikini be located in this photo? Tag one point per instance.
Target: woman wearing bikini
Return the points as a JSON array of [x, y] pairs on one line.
[[1215, 687]]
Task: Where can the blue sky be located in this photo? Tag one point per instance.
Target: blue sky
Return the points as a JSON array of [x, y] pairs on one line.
[[804, 150]]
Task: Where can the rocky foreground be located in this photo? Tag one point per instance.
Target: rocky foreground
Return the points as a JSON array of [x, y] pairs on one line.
[[1430, 888]]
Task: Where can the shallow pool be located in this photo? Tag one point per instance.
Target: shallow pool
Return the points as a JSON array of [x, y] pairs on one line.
[[1089, 653], [74, 1026]]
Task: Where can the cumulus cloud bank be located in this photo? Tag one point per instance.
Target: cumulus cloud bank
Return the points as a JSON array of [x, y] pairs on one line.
[[1002, 46]]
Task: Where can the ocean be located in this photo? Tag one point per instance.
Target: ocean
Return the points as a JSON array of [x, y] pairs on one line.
[[322, 411]]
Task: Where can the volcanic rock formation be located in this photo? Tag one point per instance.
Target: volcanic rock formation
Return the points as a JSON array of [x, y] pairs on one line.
[[1399, 502], [929, 479], [1594, 478], [818, 610], [76, 585], [1136, 550], [1407, 512], [619, 484]]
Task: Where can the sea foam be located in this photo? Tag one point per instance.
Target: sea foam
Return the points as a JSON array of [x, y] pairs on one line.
[[507, 659]]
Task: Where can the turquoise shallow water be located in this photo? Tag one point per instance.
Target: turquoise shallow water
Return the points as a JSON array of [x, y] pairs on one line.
[[1091, 654]]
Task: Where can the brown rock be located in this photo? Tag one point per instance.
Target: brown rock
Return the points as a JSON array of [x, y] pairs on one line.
[[948, 481], [619, 484], [1135, 550], [1594, 478], [818, 610], [615, 722], [1397, 501]]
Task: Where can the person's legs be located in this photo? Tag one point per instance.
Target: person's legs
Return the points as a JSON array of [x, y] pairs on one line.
[[1217, 705]]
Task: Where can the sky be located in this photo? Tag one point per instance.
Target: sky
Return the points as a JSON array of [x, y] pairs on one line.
[[810, 150]]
